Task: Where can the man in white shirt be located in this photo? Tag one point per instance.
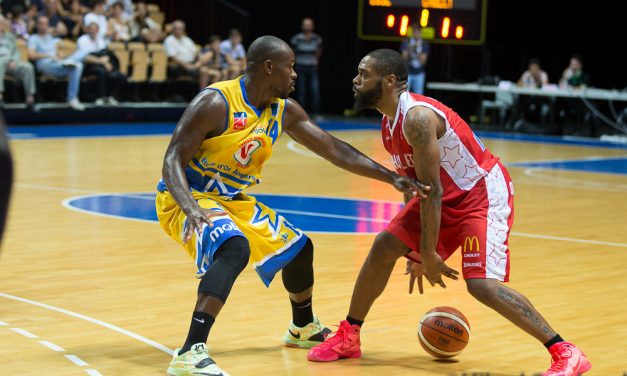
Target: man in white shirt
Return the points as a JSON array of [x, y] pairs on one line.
[[101, 63], [97, 15], [182, 52]]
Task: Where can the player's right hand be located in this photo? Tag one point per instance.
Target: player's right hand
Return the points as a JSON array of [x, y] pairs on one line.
[[434, 268], [196, 217]]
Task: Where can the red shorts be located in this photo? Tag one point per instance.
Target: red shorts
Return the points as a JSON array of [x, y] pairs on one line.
[[480, 223]]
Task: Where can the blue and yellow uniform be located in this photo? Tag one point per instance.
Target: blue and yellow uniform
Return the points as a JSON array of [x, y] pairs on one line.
[[217, 175]]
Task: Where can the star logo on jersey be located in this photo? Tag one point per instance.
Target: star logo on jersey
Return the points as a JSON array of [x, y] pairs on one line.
[[451, 155], [240, 119]]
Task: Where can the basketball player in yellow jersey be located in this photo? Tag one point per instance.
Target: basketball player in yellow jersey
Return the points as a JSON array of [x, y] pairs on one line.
[[217, 150]]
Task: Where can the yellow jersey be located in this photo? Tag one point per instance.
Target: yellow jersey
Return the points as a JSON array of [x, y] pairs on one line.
[[226, 164]]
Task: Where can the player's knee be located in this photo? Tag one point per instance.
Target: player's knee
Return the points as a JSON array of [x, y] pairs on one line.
[[481, 289], [234, 252], [298, 274], [386, 246], [228, 262]]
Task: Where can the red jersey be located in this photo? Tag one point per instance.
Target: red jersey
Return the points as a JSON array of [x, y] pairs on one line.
[[464, 160]]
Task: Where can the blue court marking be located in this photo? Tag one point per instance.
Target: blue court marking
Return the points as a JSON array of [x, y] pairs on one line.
[[145, 129], [309, 213], [90, 130], [609, 165]]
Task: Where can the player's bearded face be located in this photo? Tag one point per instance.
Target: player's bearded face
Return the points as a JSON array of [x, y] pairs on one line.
[[368, 98]]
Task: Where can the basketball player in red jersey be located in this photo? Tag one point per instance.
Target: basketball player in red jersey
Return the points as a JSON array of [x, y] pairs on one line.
[[470, 205]]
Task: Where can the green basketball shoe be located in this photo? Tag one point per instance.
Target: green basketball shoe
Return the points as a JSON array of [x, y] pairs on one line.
[[306, 337], [195, 362]]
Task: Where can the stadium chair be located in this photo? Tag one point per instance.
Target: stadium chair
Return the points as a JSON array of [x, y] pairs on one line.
[[65, 48], [119, 49], [159, 61], [22, 49]]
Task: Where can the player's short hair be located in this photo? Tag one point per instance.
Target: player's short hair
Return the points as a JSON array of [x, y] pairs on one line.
[[266, 47], [388, 61]]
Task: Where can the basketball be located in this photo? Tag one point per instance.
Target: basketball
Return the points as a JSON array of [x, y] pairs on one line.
[[443, 332]]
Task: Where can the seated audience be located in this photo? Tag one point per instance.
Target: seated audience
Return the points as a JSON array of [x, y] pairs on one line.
[[102, 64], [118, 24], [235, 54], [11, 64], [213, 63], [127, 8], [21, 25], [534, 76], [143, 28], [535, 109], [73, 18], [97, 15], [574, 76], [182, 52], [55, 20], [42, 48]]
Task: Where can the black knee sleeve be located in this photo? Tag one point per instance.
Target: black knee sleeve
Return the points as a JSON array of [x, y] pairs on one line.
[[298, 274], [228, 262]]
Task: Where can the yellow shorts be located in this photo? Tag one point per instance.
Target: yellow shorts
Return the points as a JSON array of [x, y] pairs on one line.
[[274, 242]]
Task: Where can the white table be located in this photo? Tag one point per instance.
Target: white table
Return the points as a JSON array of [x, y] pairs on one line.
[[589, 93]]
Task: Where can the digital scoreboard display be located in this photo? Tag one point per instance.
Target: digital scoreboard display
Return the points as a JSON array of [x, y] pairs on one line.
[[441, 21]]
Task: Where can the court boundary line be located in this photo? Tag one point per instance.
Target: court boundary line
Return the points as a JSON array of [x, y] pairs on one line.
[[54, 347], [92, 320]]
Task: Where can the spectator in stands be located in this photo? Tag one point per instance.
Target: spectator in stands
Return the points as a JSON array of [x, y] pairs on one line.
[[127, 8], [97, 15], [118, 24], [234, 53], [10, 63], [574, 76], [307, 47], [55, 20], [535, 109], [21, 25], [213, 63], [415, 51], [534, 76], [42, 47], [66, 5], [102, 64], [182, 52], [143, 28], [73, 18]]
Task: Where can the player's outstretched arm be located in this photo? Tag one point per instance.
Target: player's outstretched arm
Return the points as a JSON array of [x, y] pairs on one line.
[[205, 117], [302, 129], [420, 130]]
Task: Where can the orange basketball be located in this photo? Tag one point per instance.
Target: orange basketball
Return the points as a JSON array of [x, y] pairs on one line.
[[443, 332]]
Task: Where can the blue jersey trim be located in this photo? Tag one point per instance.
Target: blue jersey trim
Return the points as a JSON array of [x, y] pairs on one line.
[[268, 269], [226, 121], [286, 101], [243, 87]]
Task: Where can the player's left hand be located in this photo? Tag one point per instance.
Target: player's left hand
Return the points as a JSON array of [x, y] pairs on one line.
[[415, 271], [410, 186]]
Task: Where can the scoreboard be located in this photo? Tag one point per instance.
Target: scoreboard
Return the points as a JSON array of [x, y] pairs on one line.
[[441, 21]]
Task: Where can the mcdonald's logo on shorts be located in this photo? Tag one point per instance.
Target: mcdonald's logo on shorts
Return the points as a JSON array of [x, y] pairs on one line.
[[471, 244]]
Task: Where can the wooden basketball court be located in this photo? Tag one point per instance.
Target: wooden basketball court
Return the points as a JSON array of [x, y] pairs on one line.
[[87, 294]]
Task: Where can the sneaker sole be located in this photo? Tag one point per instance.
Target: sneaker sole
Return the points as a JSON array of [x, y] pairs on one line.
[[300, 344], [353, 355], [584, 366]]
